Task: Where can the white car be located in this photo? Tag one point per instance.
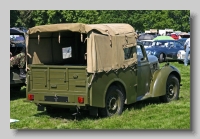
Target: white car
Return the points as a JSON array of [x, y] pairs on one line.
[[181, 56]]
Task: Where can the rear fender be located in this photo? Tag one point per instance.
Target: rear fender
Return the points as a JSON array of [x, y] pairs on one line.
[[158, 84], [116, 82]]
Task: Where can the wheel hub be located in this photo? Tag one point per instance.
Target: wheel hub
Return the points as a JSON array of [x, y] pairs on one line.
[[112, 103], [171, 90]]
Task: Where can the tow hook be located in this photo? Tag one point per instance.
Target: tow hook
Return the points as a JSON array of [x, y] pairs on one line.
[[40, 107], [77, 113]]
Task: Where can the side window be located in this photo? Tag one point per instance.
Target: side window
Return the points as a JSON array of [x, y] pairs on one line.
[[171, 44], [153, 44], [139, 52], [179, 45], [128, 53]]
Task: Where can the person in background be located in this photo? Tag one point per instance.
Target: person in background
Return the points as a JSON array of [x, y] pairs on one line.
[[19, 60], [187, 50]]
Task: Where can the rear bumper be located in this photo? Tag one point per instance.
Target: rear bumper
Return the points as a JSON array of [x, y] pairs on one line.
[[58, 99], [44, 103]]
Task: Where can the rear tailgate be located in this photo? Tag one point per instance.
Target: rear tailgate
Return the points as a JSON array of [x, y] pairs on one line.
[[57, 84]]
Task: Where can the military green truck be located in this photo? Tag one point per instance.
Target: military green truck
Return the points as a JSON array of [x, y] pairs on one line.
[[95, 67]]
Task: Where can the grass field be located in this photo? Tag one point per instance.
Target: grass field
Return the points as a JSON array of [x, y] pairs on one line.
[[147, 114]]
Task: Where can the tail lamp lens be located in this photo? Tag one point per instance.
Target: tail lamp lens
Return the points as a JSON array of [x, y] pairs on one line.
[[30, 97], [81, 100]]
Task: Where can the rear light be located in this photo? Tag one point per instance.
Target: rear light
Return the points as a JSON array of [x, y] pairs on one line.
[[80, 99], [30, 97]]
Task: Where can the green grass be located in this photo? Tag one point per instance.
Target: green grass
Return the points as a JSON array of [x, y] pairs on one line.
[[147, 114]]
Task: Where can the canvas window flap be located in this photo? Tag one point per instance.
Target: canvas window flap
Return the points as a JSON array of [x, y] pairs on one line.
[[101, 56]]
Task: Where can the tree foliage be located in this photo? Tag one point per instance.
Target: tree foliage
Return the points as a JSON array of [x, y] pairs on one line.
[[140, 19]]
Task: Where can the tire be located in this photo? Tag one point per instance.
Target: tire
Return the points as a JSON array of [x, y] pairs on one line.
[[172, 90], [114, 102], [161, 58]]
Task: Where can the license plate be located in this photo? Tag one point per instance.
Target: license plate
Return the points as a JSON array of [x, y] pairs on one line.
[[56, 98]]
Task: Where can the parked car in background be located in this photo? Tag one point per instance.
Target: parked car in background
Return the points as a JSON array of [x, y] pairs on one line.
[[146, 43], [185, 35], [165, 50], [182, 40], [174, 36], [181, 56], [23, 29], [181, 53]]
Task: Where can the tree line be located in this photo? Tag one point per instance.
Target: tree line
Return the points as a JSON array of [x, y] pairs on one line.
[[141, 20]]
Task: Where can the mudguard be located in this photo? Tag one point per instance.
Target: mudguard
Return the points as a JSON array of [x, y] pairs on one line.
[[158, 83]]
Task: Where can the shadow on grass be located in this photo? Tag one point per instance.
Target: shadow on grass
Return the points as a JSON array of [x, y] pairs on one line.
[[143, 103], [150, 101], [182, 63], [84, 114], [68, 114], [17, 94]]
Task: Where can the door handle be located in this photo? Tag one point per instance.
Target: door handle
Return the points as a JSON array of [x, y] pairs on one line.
[[53, 86], [75, 76]]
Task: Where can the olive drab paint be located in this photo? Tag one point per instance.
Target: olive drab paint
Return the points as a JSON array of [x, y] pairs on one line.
[[103, 73]]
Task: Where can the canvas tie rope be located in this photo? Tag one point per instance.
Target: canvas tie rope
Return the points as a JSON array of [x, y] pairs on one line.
[[109, 37], [59, 38], [81, 37], [38, 38]]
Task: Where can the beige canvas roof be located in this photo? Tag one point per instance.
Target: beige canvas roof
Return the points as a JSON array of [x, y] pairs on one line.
[[105, 43], [112, 28]]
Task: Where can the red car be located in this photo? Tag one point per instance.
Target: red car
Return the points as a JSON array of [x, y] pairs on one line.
[[174, 36]]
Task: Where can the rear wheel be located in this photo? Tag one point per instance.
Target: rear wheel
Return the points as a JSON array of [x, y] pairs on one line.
[[114, 102], [172, 89]]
